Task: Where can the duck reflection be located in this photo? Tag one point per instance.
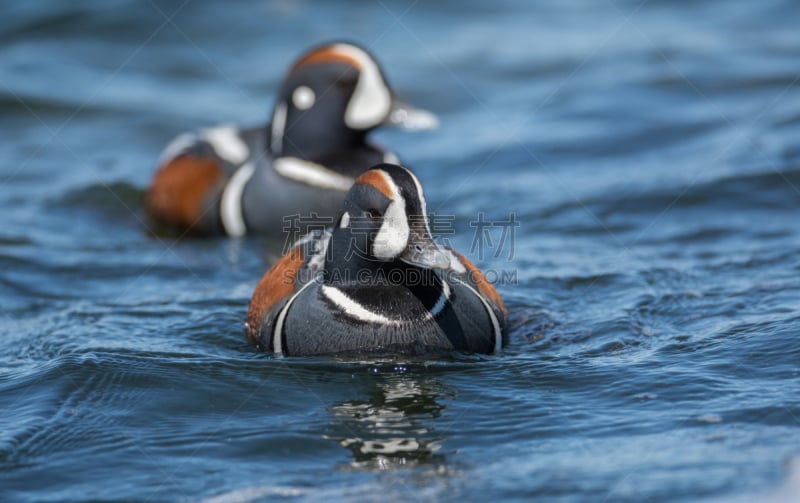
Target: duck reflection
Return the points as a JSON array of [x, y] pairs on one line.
[[393, 427]]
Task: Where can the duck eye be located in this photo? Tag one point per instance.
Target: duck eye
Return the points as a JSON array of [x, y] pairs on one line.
[[303, 98], [374, 214], [346, 84]]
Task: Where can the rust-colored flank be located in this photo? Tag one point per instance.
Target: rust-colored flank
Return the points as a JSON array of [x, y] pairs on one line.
[[179, 188], [277, 284], [485, 287]]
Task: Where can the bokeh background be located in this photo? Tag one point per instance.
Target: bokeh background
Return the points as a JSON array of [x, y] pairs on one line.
[[649, 149]]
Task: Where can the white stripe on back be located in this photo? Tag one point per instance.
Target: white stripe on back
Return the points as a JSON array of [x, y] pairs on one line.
[[311, 173], [354, 309]]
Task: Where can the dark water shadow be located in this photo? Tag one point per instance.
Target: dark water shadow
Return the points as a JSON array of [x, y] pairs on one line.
[[394, 424]]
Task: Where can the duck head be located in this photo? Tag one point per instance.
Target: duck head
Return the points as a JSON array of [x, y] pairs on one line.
[[331, 98], [384, 220]]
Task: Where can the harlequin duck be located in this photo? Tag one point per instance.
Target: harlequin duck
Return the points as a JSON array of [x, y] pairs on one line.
[[235, 181], [376, 283]]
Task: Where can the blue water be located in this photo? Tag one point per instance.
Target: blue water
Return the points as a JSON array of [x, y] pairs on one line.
[[649, 150]]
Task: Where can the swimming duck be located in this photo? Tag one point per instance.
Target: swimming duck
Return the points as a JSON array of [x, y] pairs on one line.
[[235, 181], [376, 283]]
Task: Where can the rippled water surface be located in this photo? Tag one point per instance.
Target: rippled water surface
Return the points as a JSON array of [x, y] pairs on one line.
[[649, 150]]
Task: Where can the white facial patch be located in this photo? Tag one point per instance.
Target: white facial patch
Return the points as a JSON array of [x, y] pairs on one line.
[[392, 237], [371, 100], [303, 98], [344, 223]]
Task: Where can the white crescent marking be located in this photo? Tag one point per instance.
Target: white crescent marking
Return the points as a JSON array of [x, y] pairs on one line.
[[277, 344], [277, 127], [371, 100], [392, 237], [442, 301], [230, 206]]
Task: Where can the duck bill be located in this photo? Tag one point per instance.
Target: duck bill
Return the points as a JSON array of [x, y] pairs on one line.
[[405, 116], [423, 252]]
